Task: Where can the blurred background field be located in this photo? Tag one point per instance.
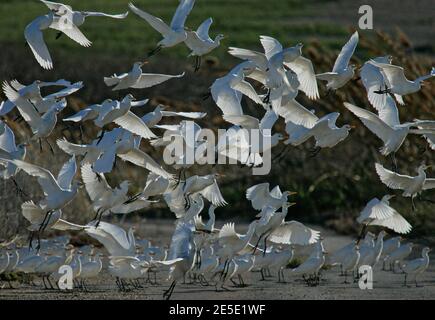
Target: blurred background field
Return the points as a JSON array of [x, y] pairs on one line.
[[332, 187]]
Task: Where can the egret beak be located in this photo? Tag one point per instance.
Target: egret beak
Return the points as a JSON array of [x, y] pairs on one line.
[[292, 193], [353, 127], [291, 204], [144, 63]]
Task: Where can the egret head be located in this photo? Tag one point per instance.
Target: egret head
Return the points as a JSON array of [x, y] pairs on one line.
[[423, 167], [22, 146], [219, 37], [388, 197], [77, 184], [289, 193], [426, 250], [69, 247], [160, 107], [60, 105], [348, 127], [382, 234], [129, 97], [276, 138], [248, 67], [289, 204]]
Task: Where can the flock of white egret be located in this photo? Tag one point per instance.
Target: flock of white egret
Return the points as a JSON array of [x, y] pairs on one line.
[[198, 249]]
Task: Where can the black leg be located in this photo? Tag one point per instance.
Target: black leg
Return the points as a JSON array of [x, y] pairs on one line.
[[267, 97], [315, 151], [360, 237], [394, 161], [154, 51], [20, 191], [197, 63], [206, 95], [101, 136], [265, 245], [49, 144]]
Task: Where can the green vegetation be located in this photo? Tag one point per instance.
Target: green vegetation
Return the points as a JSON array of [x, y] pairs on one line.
[[241, 21]]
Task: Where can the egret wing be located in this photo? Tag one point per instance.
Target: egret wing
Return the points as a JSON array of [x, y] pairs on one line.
[[245, 121], [45, 178], [142, 159], [95, 186], [204, 29], [148, 80], [213, 194], [259, 195], [35, 39], [392, 179], [71, 31], [257, 57], [376, 209], [295, 112], [294, 232], [346, 53], [7, 140], [304, 69], [154, 22], [372, 122], [271, 46], [67, 173], [396, 222], [429, 184], [102, 14], [248, 90], [134, 124], [180, 16]]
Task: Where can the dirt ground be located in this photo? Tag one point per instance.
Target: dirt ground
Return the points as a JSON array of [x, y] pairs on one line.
[[386, 284]]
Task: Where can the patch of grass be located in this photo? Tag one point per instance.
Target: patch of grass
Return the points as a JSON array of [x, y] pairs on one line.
[[294, 263]]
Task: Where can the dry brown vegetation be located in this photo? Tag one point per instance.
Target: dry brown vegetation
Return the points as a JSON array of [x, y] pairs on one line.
[[332, 187]]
